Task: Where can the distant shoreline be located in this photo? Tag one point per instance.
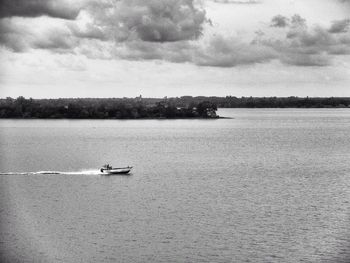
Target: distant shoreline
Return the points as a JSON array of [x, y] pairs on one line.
[[185, 107], [186, 101], [124, 119], [137, 108]]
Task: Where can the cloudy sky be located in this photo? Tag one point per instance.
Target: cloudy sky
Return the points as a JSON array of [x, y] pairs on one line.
[[117, 48]]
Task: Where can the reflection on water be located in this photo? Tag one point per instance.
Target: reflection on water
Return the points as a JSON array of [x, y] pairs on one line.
[[265, 186]]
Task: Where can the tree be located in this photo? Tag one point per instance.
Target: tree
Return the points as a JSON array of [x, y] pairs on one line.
[[206, 107]]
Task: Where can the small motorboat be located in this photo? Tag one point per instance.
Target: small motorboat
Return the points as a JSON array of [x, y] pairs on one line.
[[107, 169]]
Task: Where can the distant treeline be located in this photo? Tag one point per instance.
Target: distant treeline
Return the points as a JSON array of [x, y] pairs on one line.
[[138, 108], [281, 102], [267, 102], [96, 108]]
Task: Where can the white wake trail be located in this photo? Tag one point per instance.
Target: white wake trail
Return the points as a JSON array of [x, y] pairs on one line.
[[82, 172]]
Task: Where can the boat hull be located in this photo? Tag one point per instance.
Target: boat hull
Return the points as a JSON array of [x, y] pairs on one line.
[[116, 171]]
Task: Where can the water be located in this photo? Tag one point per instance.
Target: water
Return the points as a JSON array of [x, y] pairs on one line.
[[266, 186]]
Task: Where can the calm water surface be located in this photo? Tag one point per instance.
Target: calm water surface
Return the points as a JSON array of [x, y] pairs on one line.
[[266, 186]]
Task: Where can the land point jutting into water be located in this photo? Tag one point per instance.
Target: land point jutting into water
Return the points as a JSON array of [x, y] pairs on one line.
[[151, 108]]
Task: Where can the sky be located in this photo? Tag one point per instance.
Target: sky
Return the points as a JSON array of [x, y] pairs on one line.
[[157, 48]]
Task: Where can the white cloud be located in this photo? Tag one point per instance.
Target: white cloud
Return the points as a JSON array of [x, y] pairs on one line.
[[21, 34], [340, 26], [171, 30], [248, 2], [151, 20]]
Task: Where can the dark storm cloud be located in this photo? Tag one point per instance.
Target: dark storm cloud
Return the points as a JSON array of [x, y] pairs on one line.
[[340, 26], [34, 8]]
